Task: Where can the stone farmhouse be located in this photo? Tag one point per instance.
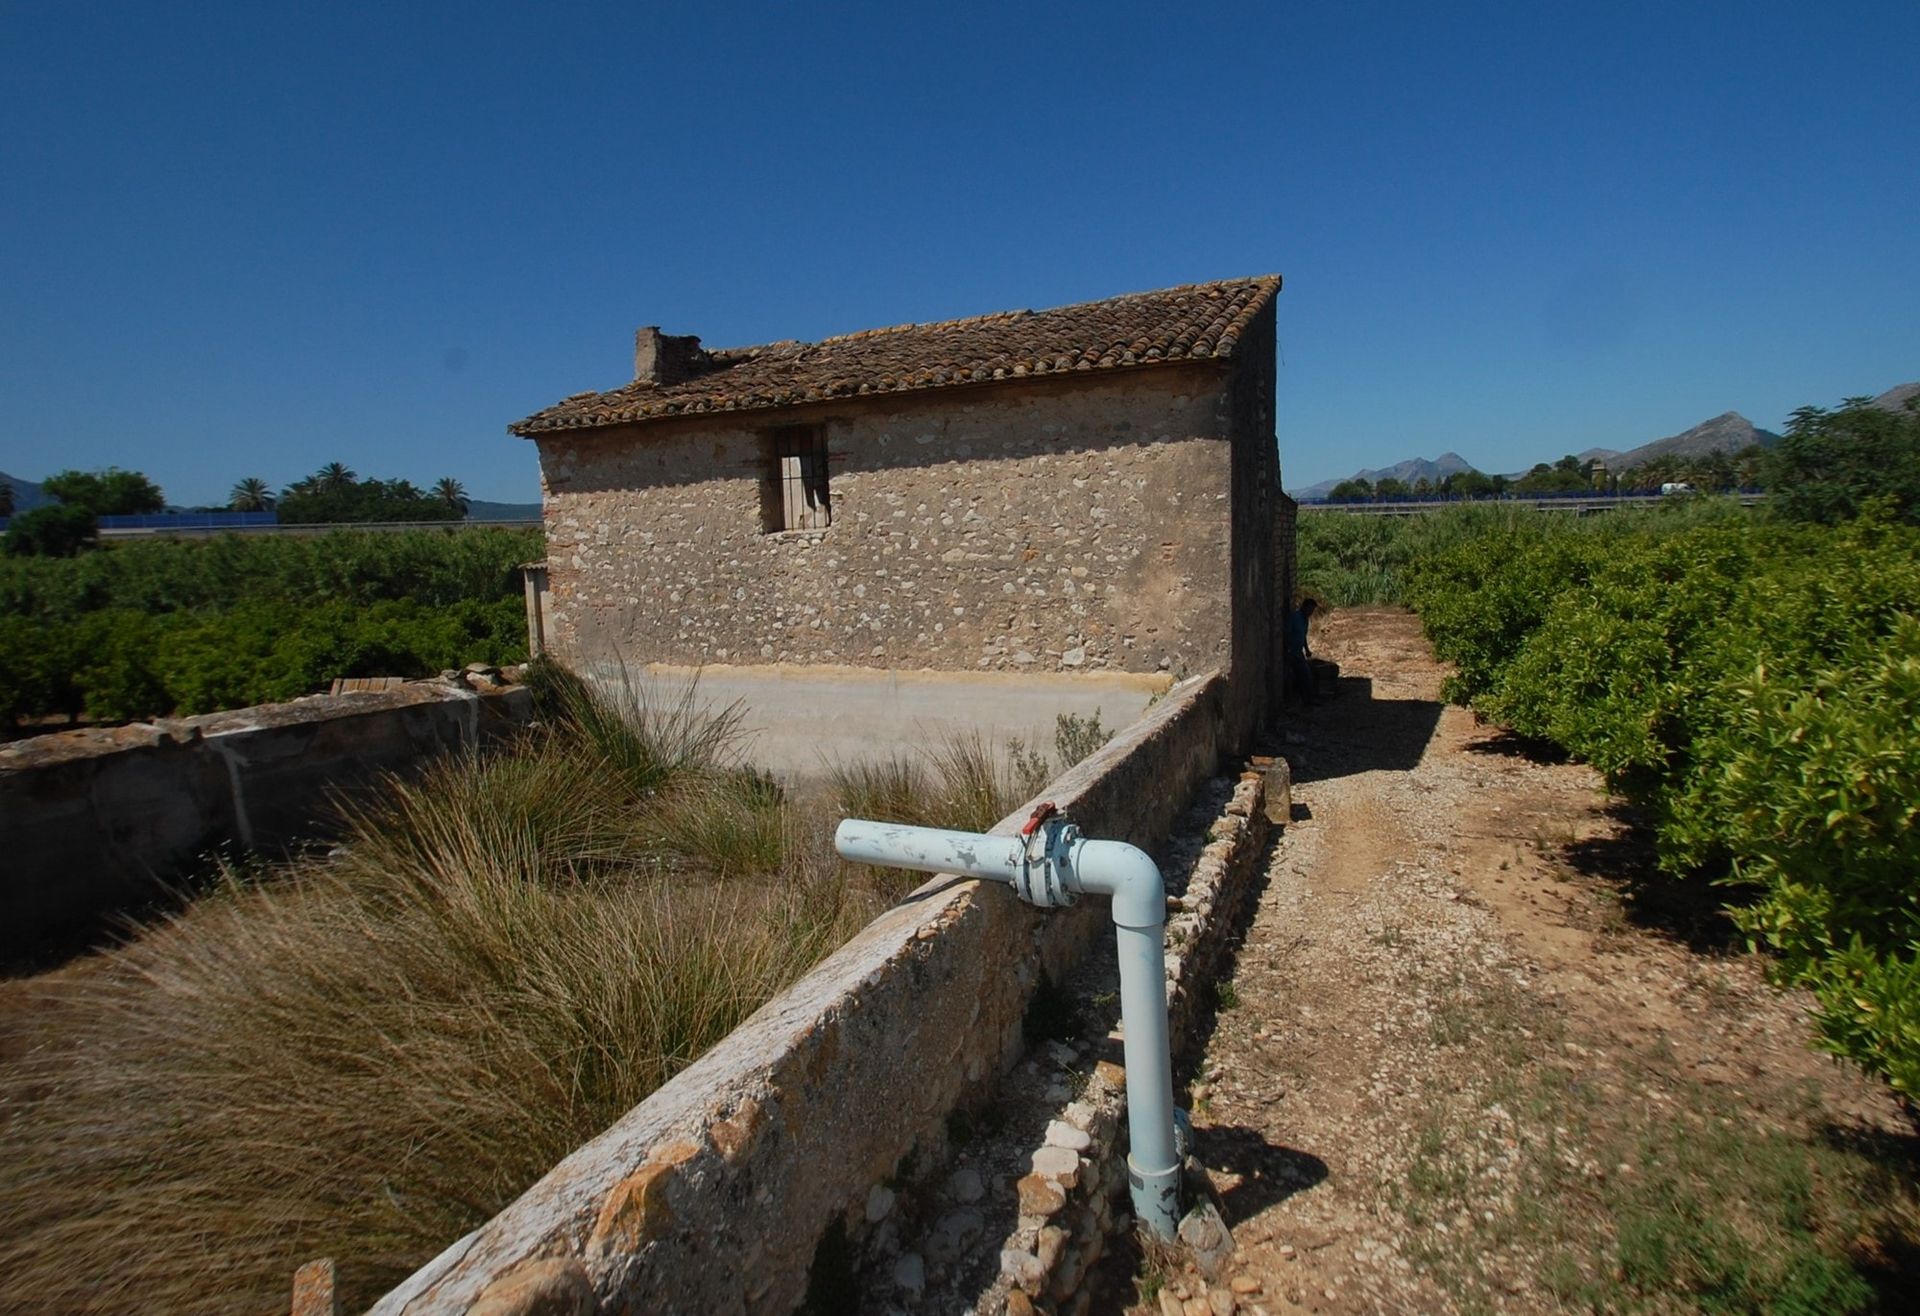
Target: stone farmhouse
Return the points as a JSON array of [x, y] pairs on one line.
[[1089, 489]]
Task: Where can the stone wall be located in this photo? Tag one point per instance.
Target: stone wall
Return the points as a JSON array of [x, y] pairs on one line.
[[91, 821], [1286, 573], [1074, 1194], [1070, 524], [1252, 662], [713, 1194]]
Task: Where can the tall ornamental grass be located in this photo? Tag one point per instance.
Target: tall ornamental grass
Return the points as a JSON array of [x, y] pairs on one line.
[[367, 1054]]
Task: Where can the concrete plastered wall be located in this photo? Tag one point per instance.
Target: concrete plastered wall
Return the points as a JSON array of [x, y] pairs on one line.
[[798, 722], [89, 820], [1070, 525], [713, 1194]]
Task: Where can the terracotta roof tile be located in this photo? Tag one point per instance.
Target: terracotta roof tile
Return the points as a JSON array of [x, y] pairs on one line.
[[1200, 321]]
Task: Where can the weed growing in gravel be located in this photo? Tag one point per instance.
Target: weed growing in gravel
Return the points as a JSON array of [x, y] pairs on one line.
[[1643, 1192]]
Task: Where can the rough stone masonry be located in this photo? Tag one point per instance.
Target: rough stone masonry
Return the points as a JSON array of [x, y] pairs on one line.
[[1090, 487]]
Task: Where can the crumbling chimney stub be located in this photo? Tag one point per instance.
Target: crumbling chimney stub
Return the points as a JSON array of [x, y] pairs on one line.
[[666, 358]]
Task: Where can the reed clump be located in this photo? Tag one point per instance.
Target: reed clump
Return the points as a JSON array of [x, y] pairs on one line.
[[365, 1054]]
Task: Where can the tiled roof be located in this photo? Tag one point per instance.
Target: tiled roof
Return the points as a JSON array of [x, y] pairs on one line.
[[1196, 322]]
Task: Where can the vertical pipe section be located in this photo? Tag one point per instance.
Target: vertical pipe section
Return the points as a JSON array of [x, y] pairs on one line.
[[1132, 879], [1129, 876]]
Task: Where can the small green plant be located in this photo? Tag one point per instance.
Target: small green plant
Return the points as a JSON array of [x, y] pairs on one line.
[[1075, 737], [1030, 768]]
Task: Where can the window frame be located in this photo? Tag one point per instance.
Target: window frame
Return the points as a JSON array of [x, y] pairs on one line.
[[796, 495]]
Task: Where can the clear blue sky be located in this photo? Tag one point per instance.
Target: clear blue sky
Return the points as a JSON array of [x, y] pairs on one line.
[[245, 240]]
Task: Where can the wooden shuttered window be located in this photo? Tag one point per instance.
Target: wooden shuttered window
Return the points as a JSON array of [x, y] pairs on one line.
[[799, 498]]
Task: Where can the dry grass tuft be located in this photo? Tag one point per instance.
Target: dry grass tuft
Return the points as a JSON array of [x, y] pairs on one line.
[[365, 1056], [957, 782]]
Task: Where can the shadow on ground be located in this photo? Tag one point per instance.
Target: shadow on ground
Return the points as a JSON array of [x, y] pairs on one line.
[[1350, 731], [1267, 1172], [1691, 911], [1887, 1260], [1507, 744]]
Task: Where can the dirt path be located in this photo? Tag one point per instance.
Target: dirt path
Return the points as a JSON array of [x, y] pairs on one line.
[[1454, 1071]]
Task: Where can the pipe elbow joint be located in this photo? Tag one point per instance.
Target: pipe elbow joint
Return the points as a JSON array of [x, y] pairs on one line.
[[1129, 876]]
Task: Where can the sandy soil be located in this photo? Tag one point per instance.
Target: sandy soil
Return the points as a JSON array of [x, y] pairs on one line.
[[1451, 1013]]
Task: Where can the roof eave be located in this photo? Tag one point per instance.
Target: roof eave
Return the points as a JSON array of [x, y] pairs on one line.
[[531, 429]]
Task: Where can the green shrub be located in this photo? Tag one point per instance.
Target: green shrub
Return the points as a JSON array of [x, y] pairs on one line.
[[1755, 687], [54, 531], [192, 626], [1818, 783], [1076, 737]]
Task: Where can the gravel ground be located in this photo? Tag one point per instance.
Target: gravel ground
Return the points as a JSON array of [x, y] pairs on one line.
[[1450, 1044]]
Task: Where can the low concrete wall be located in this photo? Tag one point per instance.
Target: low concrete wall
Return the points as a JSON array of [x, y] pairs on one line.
[[797, 720], [91, 821], [713, 1194]]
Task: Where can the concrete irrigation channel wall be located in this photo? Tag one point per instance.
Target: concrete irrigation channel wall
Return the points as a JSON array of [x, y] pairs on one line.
[[714, 1193], [92, 821]]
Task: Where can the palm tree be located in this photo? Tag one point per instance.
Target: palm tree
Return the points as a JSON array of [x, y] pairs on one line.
[[250, 495], [452, 493], [334, 475]]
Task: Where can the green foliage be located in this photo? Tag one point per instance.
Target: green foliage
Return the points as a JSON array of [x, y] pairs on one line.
[[1075, 737], [56, 530], [250, 495], [1568, 475], [1461, 484], [1755, 687], [112, 492], [433, 567], [1347, 560], [190, 626], [1817, 781], [333, 495], [1830, 465], [451, 493]]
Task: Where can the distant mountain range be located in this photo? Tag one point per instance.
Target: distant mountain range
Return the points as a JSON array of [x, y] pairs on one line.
[[1897, 397], [481, 511], [1414, 468], [26, 494], [1728, 432]]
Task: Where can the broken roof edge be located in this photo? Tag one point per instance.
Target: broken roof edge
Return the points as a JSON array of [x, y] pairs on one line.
[[1184, 344]]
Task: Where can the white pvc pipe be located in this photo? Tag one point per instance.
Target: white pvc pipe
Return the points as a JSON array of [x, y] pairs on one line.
[[1127, 875]]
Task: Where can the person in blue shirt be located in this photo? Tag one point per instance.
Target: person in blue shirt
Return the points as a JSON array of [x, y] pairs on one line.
[[1299, 671]]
